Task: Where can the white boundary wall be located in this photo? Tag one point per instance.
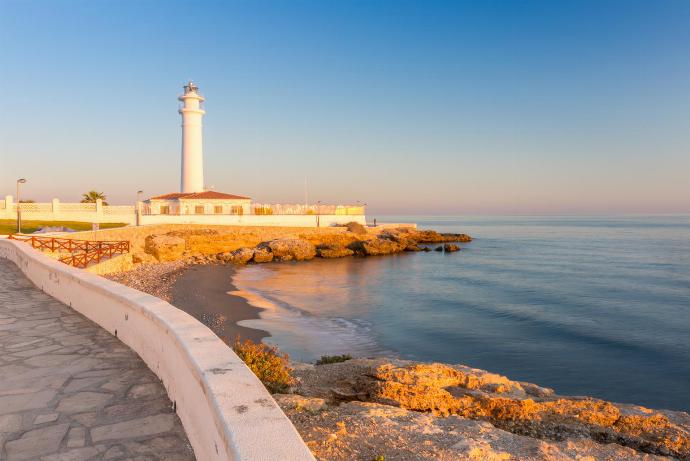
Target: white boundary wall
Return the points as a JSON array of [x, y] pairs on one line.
[[284, 220], [58, 211], [99, 213], [225, 410]]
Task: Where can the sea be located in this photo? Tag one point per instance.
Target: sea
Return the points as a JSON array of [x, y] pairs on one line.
[[586, 305]]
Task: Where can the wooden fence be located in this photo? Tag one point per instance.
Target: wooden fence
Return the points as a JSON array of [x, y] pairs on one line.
[[83, 252]]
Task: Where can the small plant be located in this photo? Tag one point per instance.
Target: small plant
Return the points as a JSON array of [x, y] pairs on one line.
[[356, 228], [91, 197], [379, 458], [326, 359], [268, 364]]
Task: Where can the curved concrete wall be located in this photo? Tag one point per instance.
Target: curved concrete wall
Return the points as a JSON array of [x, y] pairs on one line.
[[225, 410]]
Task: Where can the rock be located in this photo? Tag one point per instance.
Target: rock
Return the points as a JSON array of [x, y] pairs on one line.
[[448, 248], [525, 416], [241, 256], [376, 247], [356, 228], [286, 249], [297, 402], [164, 247], [429, 236], [413, 247], [263, 255], [333, 251]]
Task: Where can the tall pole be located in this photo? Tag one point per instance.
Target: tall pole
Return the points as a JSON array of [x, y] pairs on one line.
[[19, 209], [138, 207]]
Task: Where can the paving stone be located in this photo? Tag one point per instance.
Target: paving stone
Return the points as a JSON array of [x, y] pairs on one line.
[[145, 391], [37, 351], [10, 423], [70, 391], [76, 437], [113, 452], [87, 419], [150, 425], [77, 454], [36, 443], [79, 384], [47, 418], [23, 402], [83, 401]]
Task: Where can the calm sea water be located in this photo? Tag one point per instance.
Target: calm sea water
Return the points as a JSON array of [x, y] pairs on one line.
[[587, 305]]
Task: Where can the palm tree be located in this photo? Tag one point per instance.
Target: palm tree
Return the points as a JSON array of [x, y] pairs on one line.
[[91, 197]]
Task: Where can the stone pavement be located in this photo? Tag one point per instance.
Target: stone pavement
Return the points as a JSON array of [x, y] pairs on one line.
[[70, 391]]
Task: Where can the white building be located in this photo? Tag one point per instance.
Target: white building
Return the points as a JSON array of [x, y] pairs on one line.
[[207, 202], [193, 199], [196, 205]]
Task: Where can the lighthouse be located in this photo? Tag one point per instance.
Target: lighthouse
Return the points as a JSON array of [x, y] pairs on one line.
[[192, 112]]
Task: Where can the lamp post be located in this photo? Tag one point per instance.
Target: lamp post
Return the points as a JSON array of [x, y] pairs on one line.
[[318, 213], [19, 210], [138, 207]]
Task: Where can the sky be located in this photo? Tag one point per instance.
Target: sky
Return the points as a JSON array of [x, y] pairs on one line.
[[425, 107]]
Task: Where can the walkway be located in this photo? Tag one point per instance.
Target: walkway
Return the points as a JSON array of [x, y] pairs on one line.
[[71, 391]]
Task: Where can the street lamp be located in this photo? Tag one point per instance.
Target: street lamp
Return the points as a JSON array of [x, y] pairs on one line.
[[19, 211], [138, 208], [318, 213]]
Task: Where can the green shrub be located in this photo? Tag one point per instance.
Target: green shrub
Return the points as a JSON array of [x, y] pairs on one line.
[[326, 359], [269, 365]]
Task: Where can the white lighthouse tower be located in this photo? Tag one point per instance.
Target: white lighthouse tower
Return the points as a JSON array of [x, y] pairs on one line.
[[192, 153]]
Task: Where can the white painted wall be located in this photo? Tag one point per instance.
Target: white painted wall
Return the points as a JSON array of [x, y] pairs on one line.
[[99, 213], [58, 211], [225, 410], [255, 220]]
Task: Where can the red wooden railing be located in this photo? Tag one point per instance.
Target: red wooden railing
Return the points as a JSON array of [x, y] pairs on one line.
[[83, 252]]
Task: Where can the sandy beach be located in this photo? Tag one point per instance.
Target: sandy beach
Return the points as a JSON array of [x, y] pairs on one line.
[[204, 291]]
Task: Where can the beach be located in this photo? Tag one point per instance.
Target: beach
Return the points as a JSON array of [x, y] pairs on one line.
[[204, 291]]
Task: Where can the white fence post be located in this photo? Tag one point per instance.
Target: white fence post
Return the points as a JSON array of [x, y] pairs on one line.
[[56, 208], [99, 210], [9, 212]]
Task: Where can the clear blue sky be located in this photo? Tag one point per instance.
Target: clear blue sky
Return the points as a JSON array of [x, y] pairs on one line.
[[415, 107]]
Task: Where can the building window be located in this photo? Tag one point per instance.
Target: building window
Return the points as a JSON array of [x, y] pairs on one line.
[[165, 209], [199, 209], [236, 209], [218, 209]]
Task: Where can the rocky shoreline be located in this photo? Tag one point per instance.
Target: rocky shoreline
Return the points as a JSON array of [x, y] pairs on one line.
[[357, 241], [402, 410], [382, 408]]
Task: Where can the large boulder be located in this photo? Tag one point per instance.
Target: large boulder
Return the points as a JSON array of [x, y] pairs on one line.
[[262, 255], [376, 247], [430, 236], [241, 255], [287, 249], [333, 251], [164, 247]]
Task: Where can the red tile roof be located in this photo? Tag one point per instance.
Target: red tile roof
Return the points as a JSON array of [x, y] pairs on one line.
[[206, 195]]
